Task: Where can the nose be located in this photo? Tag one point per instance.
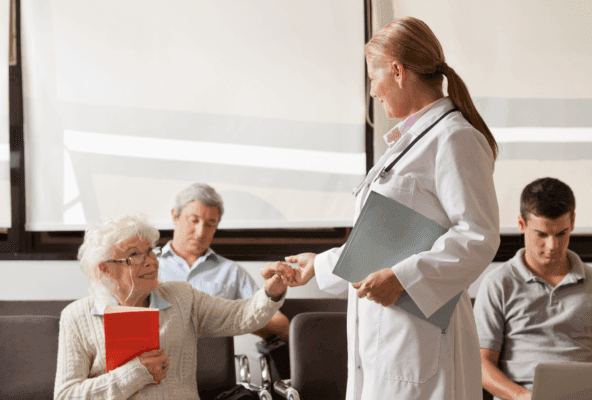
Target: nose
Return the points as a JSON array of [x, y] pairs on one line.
[[552, 243], [199, 229]]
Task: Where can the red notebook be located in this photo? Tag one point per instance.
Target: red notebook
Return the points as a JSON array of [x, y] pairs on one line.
[[129, 332]]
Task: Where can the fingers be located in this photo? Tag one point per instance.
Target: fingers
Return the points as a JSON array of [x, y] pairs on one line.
[[292, 259], [153, 353]]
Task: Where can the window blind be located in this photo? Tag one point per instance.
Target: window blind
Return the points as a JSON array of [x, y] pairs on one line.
[[128, 102], [5, 206], [527, 66]]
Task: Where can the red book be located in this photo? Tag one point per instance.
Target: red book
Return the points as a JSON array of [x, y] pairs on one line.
[[129, 332]]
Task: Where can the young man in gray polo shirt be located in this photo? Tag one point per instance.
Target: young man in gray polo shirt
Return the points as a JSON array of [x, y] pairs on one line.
[[537, 307]]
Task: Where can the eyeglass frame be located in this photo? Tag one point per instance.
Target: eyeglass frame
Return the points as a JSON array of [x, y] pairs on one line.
[[156, 251]]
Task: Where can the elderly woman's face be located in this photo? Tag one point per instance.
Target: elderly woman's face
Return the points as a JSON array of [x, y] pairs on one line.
[[144, 276]]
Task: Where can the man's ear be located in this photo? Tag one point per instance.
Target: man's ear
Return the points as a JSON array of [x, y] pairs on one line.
[[174, 215], [521, 224]]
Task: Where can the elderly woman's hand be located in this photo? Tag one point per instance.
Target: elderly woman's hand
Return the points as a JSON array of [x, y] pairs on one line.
[[276, 274], [157, 363]]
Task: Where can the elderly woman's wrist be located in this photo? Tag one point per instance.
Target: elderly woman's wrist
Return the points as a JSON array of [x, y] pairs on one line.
[[275, 298]]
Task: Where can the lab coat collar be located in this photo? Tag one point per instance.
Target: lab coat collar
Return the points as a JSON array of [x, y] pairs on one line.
[[430, 116], [155, 302]]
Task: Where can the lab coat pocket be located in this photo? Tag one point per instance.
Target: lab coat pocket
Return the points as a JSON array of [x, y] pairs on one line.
[[396, 187], [408, 347]]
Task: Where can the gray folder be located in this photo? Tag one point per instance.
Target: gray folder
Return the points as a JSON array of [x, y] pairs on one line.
[[385, 233]]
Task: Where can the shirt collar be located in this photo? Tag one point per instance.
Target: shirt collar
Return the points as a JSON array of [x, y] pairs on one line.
[[167, 251], [577, 272], [156, 301], [392, 136]]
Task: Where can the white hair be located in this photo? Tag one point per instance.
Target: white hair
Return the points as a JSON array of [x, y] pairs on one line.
[[100, 239], [202, 193]]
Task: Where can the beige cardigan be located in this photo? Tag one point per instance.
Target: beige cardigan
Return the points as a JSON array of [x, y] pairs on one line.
[[185, 315]]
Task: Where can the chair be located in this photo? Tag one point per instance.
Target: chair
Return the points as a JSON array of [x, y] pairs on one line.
[[318, 357], [216, 370], [28, 349]]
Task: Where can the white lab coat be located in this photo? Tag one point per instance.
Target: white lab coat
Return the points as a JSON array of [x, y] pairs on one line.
[[448, 177]]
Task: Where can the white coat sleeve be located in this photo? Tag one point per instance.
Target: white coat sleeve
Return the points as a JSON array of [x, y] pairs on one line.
[[463, 184], [323, 265]]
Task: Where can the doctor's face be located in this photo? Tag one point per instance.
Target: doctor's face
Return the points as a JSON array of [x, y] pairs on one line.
[[195, 227], [383, 86], [546, 239]]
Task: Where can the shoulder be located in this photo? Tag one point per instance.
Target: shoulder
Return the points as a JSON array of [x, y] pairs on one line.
[[496, 281], [231, 266], [174, 289], [459, 133], [79, 307]]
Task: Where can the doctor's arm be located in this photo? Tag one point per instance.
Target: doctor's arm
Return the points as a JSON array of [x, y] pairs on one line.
[[496, 382], [463, 185]]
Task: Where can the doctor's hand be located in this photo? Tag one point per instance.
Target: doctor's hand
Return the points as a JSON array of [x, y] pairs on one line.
[[276, 274], [304, 270], [382, 287]]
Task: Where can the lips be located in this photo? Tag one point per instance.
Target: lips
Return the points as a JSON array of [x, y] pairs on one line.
[[151, 275]]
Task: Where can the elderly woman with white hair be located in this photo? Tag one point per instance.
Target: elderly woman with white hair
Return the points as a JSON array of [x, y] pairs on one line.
[[119, 259]]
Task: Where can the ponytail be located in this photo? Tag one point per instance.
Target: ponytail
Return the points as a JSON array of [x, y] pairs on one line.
[[458, 92], [413, 43]]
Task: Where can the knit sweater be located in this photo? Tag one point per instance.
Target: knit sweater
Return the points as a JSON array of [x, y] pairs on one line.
[[81, 370]]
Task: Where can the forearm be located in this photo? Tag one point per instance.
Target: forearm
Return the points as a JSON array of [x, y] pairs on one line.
[[279, 325], [220, 317], [498, 384], [120, 383]]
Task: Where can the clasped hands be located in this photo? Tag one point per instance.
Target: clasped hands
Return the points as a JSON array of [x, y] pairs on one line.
[[382, 286]]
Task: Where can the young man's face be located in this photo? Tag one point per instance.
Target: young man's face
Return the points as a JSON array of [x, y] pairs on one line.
[[546, 239], [195, 227]]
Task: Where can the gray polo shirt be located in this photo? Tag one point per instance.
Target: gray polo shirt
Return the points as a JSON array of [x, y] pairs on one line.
[[529, 321]]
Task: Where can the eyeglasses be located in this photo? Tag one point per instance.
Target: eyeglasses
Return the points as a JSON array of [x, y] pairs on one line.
[[138, 258]]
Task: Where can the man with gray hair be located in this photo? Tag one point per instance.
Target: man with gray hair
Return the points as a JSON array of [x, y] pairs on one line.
[[188, 257]]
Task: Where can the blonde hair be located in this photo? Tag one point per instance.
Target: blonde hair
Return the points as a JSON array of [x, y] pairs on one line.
[[100, 239], [412, 43]]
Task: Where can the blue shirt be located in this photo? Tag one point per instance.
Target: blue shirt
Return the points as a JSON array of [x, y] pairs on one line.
[[211, 273]]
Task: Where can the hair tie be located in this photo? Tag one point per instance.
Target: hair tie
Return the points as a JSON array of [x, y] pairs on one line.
[[441, 69]]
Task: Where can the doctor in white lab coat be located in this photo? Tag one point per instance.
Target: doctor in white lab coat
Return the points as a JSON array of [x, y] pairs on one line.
[[446, 176]]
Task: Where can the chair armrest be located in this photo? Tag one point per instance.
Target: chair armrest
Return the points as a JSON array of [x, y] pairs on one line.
[[244, 371], [261, 392], [284, 389], [265, 372]]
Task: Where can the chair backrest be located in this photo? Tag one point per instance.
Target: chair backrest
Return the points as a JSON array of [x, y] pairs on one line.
[[318, 355], [28, 356], [293, 307], [33, 307], [215, 366]]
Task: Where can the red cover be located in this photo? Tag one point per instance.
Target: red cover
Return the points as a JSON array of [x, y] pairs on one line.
[[129, 334]]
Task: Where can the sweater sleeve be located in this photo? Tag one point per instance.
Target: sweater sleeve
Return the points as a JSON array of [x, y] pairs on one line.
[[221, 317]]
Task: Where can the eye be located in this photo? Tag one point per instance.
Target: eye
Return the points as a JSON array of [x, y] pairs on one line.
[[540, 234]]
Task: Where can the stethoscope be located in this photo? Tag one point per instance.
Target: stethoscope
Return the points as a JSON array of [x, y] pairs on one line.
[[386, 170]]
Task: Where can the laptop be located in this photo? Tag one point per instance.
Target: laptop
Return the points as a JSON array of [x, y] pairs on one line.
[[563, 381]]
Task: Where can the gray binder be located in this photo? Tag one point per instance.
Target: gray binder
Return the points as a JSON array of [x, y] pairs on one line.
[[385, 233]]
